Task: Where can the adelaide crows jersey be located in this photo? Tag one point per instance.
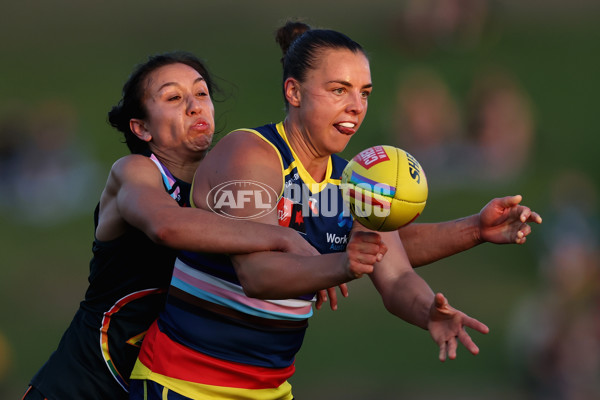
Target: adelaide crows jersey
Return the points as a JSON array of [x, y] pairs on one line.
[[212, 341]]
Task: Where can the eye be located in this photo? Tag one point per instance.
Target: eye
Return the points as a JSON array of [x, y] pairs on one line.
[[173, 98], [202, 94], [340, 90], [365, 94]]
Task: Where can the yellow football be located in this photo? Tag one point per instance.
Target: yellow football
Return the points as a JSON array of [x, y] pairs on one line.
[[384, 187]]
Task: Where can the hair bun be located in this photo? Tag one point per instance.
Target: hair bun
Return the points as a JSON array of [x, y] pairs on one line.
[[286, 35]]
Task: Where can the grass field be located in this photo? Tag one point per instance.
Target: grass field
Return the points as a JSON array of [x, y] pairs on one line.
[[80, 54]]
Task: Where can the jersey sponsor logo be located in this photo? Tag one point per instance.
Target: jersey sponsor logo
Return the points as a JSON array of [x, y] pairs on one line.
[[345, 220], [292, 179], [337, 239], [371, 157], [336, 242], [289, 214], [242, 199]]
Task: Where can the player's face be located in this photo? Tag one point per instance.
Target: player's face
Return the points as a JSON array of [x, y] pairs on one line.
[[334, 99], [180, 112]]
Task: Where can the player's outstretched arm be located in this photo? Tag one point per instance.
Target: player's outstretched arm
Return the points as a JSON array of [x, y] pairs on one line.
[[408, 296], [501, 221], [447, 327]]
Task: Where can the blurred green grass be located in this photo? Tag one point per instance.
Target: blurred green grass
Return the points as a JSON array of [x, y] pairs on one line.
[[82, 54]]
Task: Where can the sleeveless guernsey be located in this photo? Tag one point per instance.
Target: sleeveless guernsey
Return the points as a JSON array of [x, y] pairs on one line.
[[212, 341], [127, 290]]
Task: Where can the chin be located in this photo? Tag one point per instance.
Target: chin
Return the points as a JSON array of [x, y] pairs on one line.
[[203, 143], [340, 145]]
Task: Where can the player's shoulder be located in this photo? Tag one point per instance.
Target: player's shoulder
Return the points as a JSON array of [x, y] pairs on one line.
[[132, 161], [132, 165], [240, 145]]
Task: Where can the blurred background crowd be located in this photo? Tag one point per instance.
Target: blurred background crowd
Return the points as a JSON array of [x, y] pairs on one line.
[[492, 97]]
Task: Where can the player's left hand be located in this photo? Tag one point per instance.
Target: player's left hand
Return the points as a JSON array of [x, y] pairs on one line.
[[504, 220], [447, 327], [322, 296]]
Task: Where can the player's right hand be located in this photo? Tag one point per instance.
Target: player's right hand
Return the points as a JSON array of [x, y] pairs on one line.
[[364, 249]]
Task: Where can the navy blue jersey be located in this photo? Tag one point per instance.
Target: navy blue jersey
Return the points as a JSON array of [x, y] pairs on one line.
[[315, 209], [213, 341]]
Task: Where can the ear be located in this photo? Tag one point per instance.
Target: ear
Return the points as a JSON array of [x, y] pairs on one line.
[[291, 90], [138, 127]]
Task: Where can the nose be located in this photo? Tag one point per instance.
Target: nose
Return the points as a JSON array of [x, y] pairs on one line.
[[357, 104], [194, 105]]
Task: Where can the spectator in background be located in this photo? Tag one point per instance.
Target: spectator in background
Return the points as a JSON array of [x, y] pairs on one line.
[[424, 25], [501, 127], [492, 147], [13, 131], [428, 123], [47, 174], [555, 337]]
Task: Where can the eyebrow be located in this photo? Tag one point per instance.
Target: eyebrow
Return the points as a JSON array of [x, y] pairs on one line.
[[348, 84], [166, 84]]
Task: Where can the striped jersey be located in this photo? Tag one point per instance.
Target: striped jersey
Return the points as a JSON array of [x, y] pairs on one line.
[[213, 341]]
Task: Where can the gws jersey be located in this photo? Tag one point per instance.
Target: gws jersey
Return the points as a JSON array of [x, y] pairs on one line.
[[128, 280]]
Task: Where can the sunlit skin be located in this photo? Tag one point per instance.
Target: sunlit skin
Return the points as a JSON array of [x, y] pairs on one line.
[[180, 122], [327, 109]]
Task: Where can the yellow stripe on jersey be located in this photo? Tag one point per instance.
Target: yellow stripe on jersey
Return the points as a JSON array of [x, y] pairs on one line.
[[315, 187], [199, 390]]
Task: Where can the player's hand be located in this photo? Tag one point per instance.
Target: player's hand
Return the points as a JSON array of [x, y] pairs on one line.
[[292, 242], [447, 327], [322, 296], [504, 220], [364, 249]]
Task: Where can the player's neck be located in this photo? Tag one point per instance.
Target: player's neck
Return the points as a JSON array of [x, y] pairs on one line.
[[314, 163], [181, 168]]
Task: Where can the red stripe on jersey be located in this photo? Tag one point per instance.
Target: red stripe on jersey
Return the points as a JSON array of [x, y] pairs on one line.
[[178, 361]]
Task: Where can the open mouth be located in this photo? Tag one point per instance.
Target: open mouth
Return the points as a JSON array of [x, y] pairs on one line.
[[347, 128]]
